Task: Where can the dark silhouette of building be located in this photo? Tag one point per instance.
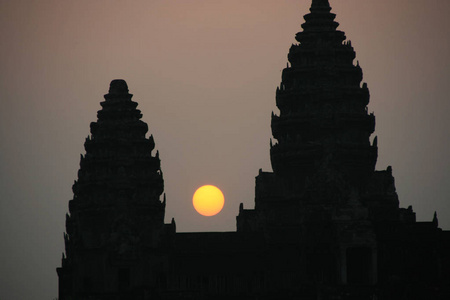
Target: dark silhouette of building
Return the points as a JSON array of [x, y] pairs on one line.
[[325, 225]]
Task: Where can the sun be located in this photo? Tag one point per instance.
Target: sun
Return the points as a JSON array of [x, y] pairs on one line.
[[208, 200]]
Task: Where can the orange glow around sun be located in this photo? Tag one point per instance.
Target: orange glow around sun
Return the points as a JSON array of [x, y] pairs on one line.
[[208, 200]]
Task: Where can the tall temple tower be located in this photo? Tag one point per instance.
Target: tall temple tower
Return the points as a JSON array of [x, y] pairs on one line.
[[324, 206], [115, 229], [323, 161]]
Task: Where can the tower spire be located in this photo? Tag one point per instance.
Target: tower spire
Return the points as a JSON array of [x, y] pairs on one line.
[[312, 100], [320, 19], [320, 5]]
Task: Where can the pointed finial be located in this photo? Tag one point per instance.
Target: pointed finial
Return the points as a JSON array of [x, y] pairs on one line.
[[389, 170], [152, 143], [174, 225], [435, 219]]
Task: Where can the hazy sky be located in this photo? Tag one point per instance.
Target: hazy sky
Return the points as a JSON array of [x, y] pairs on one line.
[[204, 74]]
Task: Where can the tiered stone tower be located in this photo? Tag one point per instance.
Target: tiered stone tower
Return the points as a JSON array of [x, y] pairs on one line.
[[116, 221], [324, 206], [323, 161], [323, 106]]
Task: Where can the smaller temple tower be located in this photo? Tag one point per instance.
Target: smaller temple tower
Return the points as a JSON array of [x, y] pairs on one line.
[[115, 226]]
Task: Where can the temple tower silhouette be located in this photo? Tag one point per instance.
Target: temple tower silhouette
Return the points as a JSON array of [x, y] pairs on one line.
[[115, 228], [326, 225], [323, 163]]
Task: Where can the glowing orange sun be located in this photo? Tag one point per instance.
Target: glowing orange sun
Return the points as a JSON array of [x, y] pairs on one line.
[[208, 200]]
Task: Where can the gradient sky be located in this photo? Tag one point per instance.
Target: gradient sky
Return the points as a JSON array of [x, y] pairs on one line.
[[204, 74]]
